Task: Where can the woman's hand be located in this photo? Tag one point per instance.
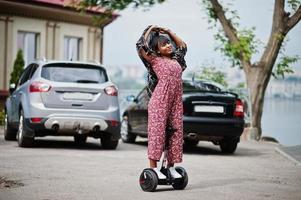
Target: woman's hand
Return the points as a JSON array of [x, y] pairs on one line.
[[164, 30]]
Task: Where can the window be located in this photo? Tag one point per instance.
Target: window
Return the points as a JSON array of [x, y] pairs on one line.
[[74, 73], [25, 75], [72, 48], [190, 86], [27, 41]]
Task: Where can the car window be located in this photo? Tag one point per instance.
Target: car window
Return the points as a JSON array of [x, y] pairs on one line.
[[75, 73], [195, 86], [142, 95], [25, 75], [33, 70]]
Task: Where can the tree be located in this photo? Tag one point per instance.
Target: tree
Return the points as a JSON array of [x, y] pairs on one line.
[[240, 44], [18, 68], [212, 74]]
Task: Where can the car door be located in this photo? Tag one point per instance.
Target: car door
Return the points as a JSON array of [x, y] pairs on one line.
[[138, 113], [17, 94]]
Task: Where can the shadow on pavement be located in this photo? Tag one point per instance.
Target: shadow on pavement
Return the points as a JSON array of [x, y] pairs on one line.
[[208, 149], [64, 144]]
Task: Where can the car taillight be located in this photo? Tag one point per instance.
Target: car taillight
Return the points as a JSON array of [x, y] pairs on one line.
[[39, 87], [239, 109], [36, 119], [111, 90], [114, 123]]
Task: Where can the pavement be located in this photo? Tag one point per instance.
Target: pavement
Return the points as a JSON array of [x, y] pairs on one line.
[[57, 169]]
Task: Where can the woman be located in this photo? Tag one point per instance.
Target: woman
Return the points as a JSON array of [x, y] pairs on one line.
[[165, 108]]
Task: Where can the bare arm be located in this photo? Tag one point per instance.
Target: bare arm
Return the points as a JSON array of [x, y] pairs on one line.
[[179, 42], [147, 55]]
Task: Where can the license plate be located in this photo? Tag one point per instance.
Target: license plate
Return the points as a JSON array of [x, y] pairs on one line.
[[209, 109], [77, 96]]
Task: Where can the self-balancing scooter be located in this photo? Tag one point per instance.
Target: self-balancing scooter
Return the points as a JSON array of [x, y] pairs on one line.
[[149, 179]]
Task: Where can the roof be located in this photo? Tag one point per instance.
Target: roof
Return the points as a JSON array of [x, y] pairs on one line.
[[54, 10], [66, 4]]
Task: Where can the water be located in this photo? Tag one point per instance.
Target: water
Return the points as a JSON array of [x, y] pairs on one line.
[[282, 120]]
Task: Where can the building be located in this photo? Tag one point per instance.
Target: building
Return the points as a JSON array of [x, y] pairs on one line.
[[50, 29]]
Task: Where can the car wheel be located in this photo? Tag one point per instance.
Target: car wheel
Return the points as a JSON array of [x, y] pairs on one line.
[[80, 139], [9, 132], [228, 146], [126, 135], [190, 143], [108, 143], [23, 139]]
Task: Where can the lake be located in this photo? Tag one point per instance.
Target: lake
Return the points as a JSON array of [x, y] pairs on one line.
[[282, 120]]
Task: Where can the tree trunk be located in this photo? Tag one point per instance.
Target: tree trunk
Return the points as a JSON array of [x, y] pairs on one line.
[[257, 82]]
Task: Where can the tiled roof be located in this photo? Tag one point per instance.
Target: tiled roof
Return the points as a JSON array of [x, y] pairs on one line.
[[65, 3]]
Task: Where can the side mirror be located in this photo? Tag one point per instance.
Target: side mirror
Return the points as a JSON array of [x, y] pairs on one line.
[[130, 98], [12, 88]]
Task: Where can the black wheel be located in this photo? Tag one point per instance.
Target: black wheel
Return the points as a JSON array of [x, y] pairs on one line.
[[228, 146], [126, 135], [181, 183], [9, 132], [22, 135], [190, 143], [148, 180], [80, 139], [108, 143]]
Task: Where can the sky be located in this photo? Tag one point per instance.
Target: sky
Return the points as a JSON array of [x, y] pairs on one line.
[[188, 20]]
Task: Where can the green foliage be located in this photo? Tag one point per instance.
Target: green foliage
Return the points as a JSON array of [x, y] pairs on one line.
[[212, 74], [294, 4], [18, 68], [244, 49], [284, 66], [241, 85], [111, 5], [247, 44], [2, 117]]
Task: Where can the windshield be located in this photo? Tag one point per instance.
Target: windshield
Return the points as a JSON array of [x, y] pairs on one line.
[[196, 86], [75, 73]]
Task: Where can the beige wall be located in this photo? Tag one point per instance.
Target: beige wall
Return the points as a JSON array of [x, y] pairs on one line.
[[50, 42]]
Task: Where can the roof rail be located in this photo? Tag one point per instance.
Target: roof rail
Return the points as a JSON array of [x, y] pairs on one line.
[[92, 61], [41, 59]]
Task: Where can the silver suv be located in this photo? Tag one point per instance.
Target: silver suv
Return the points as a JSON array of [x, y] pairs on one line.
[[63, 98]]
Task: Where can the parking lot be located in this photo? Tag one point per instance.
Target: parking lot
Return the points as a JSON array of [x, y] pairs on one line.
[[57, 169]]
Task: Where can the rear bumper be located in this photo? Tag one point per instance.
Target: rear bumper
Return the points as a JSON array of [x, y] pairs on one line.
[[58, 126], [212, 128]]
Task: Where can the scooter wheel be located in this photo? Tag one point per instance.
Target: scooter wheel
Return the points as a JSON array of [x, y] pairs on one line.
[[148, 180], [181, 183]]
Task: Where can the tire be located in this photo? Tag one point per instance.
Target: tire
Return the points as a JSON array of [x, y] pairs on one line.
[[228, 146], [80, 139], [190, 143], [182, 183], [108, 143], [22, 138], [148, 180], [9, 132], [126, 135]]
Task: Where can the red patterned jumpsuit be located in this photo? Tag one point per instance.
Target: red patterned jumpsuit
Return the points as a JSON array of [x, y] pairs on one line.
[[165, 106]]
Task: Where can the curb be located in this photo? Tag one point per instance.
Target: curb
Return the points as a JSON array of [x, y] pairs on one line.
[[289, 157]]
